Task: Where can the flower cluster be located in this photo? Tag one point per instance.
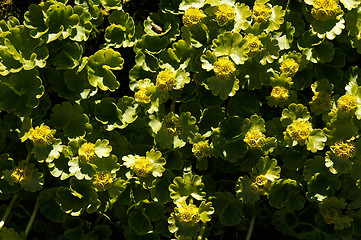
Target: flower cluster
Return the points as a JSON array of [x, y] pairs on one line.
[[280, 94], [321, 102], [102, 180], [202, 149], [254, 44], [255, 139], [188, 213], [261, 12], [346, 104], [224, 68], [41, 136], [299, 130], [193, 17], [260, 184], [224, 14], [20, 174], [86, 152], [325, 9], [344, 150], [289, 66], [166, 80]]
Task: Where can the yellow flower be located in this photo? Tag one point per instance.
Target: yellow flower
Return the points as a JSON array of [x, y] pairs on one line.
[[102, 181], [260, 184], [141, 96], [347, 104], [280, 94], [86, 152], [166, 80], [255, 139], [344, 150], [261, 12], [325, 9], [331, 215], [321, 102], [193, 17], [289, 66], [299, 130], [172, 126], [20, 175], [254, 44], [224, 14], [224, 68], [188, 213], [143, 166], [40, 136], [202, 150]]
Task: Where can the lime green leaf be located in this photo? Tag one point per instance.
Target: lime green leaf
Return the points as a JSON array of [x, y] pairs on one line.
[[186, 186], [242, 20], [69, 56], [208, 59], [353, 19], [276, 18], [205, 210], [162, 24], [268, 167], [228, 208], [99, 69], [80, 197], [191, 3], [139, 222], [223, 88], [121, 31], [9, 234], [70, 118], [350, 4], [152, 44], [244, 192], [81, 32], [48, 206], [232, 45], [20, 92], [294, 112], [337, 129], [282, 193], [316, 140], [179, 55], [329, 29]]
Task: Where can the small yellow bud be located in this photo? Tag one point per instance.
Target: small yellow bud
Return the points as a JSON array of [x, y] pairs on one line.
[[188, 213], [166, 80], [280, 94], [143, 166], [325, 9], [255, 139], [344, 150], [224, 14], [86, 152], [193, 17], [299, 130], [261, 12], [289, 66], [201, 150], [224, 68], [102, 181], [347, 104], [254, 44]]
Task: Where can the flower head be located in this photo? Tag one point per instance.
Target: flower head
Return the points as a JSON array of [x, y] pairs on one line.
[[141, 96], [40, 136], [344, 150], [347, 104], [20, 175], [331, 215], [289, 66], [260, 184], [261, 12], [325, 9], [166, 80], [254, 44], [188, 213], [193, 17], [201, 150], [224, 14], [255, 139], [321, 102], [280, 94], [86, 152], [102, 180], [143, 166], [299, 130], [224, 68]]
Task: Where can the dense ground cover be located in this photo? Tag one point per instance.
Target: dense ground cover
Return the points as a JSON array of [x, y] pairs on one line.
[[193, 119]]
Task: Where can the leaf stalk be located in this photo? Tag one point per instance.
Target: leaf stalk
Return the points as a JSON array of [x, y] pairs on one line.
[[8, 210]]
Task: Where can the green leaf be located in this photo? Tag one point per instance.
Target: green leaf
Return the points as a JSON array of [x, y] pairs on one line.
[[139, 222], [243, 105], [242, 20], [80, 197], [232, 45], [69, 56], [70, 118], [20, 92], [244, 192], [179, 55], [282, 194], [48, 206], [329, 29], [191, 3], [99, 232], [186, 186], [294, 112], [162, 24], [223, 88], [9, 234], [121, 31], [316, 140], [228, 208], [99, 69], [268, 167], [286, 221], [82, 31]]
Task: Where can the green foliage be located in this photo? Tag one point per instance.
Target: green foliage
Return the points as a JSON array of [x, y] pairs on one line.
[[232, 116]]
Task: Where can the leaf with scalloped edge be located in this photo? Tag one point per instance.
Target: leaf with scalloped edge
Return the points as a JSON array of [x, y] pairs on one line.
[[99, 69], [232, 45], [162, 24], [69, 57], [121, 31], [185, 4], [329, 29], [242, 19], [327, 205], [48, 206], [208, 59], [244, 192], [10, 234], [70, 118], [187, 186], [82, 31], [316, 140], [276, 18], [223, 88], [79, 197], [350, 4], [20, 92], [228, 208], [282, 193], [294, 112], [179, 55], [353, 21], [268, 167]]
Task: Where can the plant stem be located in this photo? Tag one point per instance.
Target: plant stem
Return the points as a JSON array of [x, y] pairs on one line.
[[28, 158], [8, 210], [32, 218], [172, 107], [201, 232], [251, 225]]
